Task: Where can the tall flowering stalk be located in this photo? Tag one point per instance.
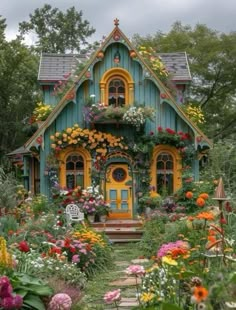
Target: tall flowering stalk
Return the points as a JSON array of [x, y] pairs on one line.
[[137, 271]]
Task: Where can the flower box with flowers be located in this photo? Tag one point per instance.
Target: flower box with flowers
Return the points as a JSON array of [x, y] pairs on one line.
[[133, 115]]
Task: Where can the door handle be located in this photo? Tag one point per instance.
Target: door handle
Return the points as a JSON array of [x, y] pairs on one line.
[[130, 190]]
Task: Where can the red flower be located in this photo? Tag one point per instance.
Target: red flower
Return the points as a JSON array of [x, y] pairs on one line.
[[151, 133], [170, 131], [228, 208], [72, 249], [159, 128], [23, 246], [223, 220], [67, 243]]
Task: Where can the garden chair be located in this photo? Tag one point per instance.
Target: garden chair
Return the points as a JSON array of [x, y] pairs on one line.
[[73, 214]]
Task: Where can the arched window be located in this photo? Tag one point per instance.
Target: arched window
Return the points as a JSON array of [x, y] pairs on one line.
[[116, 92], [74, 171], [165, 173], [117, 87]]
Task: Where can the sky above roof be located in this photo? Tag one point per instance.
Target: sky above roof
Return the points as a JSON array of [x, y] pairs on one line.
[[136, 16]]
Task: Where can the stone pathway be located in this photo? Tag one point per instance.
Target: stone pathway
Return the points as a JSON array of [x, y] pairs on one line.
[[127, 284], [124, 255]]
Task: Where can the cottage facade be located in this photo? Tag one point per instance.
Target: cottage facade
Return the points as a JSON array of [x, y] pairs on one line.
[[77, 147]]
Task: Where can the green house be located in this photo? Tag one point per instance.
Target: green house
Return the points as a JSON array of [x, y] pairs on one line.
[[115, 124]]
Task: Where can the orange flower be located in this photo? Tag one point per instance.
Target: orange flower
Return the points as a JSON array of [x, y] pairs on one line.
[[189, 195], [204, 196], [208, 216], [200, 293], [200, 202]]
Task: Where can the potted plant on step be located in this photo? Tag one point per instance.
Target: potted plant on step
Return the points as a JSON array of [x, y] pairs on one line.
[[102, 210]]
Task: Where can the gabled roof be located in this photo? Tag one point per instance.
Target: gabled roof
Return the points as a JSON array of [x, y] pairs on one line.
[[53, 67], [177, 65], [112, 38]]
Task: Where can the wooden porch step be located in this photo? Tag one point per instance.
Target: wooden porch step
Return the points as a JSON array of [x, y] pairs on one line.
[[121, 230]]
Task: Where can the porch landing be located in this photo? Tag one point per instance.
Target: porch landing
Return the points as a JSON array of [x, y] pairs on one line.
[[121, 230]]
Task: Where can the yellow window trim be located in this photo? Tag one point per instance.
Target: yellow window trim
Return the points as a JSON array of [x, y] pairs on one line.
[[122, 74], [177, 165], [87, 164]]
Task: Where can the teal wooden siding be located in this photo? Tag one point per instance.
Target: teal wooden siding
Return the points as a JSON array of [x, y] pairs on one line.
[[146, 92]]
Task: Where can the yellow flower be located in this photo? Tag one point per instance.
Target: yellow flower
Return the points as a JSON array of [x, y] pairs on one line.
[[146, 297], [169, 261]]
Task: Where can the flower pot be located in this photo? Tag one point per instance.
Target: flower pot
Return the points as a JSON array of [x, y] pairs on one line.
[[148, 212], [91, 218], [102, 218]]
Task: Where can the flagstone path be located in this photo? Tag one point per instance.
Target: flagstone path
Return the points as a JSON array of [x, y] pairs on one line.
[[124, 256]]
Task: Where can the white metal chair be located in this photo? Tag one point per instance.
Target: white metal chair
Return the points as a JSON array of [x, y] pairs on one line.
[[73, 214]]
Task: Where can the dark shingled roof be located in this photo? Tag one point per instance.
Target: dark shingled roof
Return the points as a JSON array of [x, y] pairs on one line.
[[177, 65], [53, 66]]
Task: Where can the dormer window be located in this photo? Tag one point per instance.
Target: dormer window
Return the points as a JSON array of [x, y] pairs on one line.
[[117, 87], [116, 92]]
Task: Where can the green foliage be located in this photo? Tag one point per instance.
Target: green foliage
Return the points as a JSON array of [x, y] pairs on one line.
[[8, 223], [212, 60], [18, 92], [8, 188], [222, 163], [153, 236], [31, 289], [58, 31]]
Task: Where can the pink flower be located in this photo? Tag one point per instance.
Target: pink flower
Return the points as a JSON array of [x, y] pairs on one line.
[[75, 259], [60, 302], [17, 302], [112, 296], [136, 270], [5, 287]]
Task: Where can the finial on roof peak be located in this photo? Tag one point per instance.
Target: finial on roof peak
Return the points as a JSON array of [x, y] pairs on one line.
[[116, 22]]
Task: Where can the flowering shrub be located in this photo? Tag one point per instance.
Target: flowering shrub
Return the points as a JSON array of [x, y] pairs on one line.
[[42, 111], [92, 140]]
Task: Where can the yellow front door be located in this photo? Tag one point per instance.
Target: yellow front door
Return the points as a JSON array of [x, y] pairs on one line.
[[119, 191]]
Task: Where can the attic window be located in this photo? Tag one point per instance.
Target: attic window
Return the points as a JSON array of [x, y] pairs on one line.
[[116, 92]]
